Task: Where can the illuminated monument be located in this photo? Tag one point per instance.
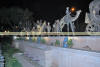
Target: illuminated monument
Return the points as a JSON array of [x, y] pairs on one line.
[[69, 20], [93, 18]]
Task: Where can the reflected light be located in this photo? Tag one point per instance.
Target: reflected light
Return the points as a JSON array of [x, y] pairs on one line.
[[27, 38], [14, 37], [46, 38], [76, 38], [16, 26], [70, 38]]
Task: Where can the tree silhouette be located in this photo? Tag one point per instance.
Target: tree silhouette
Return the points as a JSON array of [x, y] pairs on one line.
[[11, 18]]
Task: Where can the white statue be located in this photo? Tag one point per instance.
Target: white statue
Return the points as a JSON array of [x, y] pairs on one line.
[[56, 26], [38, 26], [40, 22], [53, 29], [69, 20], [62, 24], [33, 29], [24, 30], [43, 27], [93, 18], [37, 21], [48, 27]]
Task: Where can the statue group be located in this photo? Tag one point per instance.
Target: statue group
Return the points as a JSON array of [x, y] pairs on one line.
[[67, 19], [92, 20], [42, 27]]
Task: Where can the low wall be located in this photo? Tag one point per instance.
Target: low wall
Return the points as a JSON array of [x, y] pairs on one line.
[[63, 57], [91, 43], [87, 43]]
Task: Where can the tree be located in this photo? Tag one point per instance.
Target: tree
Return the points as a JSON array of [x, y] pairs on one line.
[[14, 18]]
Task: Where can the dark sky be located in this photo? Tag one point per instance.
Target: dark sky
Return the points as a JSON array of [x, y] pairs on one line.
[[47, 9]]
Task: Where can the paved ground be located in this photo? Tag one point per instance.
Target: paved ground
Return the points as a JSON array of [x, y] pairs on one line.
[[25, 61]]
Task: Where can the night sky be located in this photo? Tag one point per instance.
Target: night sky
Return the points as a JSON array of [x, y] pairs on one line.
[[49, 10]]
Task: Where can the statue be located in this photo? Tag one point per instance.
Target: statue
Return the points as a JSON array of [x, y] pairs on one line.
[[43, 27], [24, 30], [37, 21], [69, 20], [48, 27], [38, 25], [93, 18], [56, 26], [53, 29], [33, 29], [62, 23]]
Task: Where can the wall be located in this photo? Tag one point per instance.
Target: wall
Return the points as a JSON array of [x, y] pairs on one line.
[[91, 43], [64, 57]]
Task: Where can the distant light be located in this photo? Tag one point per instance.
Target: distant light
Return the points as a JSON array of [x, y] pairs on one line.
[[16, 26], [73, 9], [5, 31]]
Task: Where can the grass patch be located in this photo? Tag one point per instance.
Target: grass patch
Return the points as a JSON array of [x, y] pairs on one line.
[[8, 52], [13, 62]]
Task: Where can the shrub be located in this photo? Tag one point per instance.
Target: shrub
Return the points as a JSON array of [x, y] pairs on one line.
[[34, 40], [70, 43], [43, 41], [8, 52], [57, 42]]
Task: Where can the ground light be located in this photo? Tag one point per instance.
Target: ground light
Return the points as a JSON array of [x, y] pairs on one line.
[[27, 38], [14, 37]]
